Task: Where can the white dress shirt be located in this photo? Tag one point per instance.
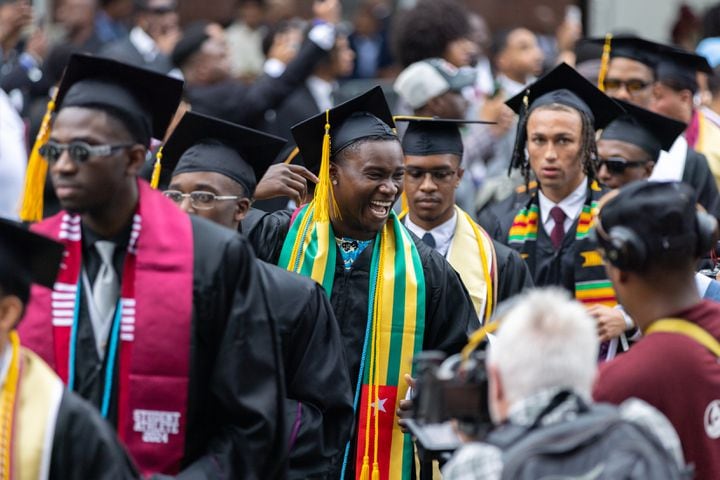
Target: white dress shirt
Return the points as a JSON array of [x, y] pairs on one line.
[[571, 205], [321, 91], [443, 233], [671, 164]]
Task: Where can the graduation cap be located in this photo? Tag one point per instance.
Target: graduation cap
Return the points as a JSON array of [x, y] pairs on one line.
[[566, 86], [643, 128], [201, 143], [26, 258], [433, 136], [629, 46], [145, 101], [328, 133], [677, 68]]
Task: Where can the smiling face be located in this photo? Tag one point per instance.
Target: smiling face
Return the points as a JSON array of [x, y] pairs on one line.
[[367, 179], [430, 183], [100, 183], [554, 144]]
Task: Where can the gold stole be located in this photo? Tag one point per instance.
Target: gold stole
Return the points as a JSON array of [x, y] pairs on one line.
[[40, 392], [708, 143], [474, 260]]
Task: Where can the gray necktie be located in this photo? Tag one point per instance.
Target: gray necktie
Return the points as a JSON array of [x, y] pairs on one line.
[[106, 285]]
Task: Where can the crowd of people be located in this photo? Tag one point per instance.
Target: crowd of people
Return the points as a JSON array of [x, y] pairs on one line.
[[223, 246]]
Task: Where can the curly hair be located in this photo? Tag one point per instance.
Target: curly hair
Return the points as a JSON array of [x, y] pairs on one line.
[[588, 147], [427, 29]]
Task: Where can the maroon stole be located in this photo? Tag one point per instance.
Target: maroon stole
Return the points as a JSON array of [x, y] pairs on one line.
[[153, 348]]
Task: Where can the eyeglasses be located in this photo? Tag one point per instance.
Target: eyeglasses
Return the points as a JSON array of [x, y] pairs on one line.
[[80, 152], [199, 200], [417, 175], [618, 165], [632, 85]]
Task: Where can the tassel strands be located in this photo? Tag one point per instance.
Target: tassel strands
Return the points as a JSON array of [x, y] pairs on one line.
[[157, 168], [31, 209], [325, 203], [604, 62]]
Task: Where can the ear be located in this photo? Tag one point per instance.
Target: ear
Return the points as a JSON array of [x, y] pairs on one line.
[[243, 206], [334, 173], [137, 155], [649, 168], [11, 310], [496, 393], [460, 172]]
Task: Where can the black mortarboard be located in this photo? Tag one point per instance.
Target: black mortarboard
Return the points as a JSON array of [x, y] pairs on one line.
[[632, 47], [566, 86], [145, 101], [662, 215], [366, 115], [25, 258], [433, 136], [206, 144], [678, 67], [643, 128], [363, 116], [191, 41]]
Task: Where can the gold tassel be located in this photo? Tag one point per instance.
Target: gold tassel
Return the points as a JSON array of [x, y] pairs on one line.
[[365, 471], [292, 156], [376, 472], [157, 168], [404, 206], [31, 209], [604, 62], [325, 203]]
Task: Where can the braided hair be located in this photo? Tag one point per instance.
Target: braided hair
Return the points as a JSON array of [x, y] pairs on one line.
[[588, 147]]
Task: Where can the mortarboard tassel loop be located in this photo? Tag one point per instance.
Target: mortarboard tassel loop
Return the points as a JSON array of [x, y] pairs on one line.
[[604, 62], [157, 168], [31, 209]]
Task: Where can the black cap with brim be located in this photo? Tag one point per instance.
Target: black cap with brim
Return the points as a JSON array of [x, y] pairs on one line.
[[563, 85], [433, 136], [367, 115], [644, 129], [632, 47], [206, 144], [145, 101], [678, 68], [26, 258]]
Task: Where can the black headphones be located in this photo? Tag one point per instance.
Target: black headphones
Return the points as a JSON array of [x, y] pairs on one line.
[[627, 251]]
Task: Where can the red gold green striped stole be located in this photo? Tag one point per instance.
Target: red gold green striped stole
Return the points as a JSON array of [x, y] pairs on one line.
[[394, 333]]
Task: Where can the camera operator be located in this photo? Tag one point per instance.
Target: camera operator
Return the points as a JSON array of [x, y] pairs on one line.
[[541, 366]]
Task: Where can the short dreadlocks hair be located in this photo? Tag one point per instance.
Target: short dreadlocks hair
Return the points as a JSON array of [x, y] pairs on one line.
[[588, 147], [426, 30]]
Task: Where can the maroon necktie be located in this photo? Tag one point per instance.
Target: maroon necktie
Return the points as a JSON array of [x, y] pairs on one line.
[[558, 231]]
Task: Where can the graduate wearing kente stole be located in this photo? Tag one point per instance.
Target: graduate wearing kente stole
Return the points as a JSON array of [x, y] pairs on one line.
[[490, 271], [393, 296], [549, 225]]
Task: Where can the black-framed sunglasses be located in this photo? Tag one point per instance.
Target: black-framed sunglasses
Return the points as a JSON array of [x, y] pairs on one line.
[[80, 152], [632, 85], [618, 165], [415, 174], [198, 199]]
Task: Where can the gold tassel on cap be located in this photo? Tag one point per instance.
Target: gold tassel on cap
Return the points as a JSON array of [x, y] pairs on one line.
[[31, 209], [324, 201], [604, 62], [157, 168], [292, 156]]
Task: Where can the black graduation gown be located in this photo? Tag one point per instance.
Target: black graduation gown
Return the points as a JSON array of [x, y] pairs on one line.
[[85, 446], [698, 175], [235, 421], [315, 372], [513, 273]]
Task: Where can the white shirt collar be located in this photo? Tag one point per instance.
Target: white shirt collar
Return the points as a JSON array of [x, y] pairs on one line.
[[321, 91], [5, 363], [144, 44], [511, 87], [443, 233], [570, 205]]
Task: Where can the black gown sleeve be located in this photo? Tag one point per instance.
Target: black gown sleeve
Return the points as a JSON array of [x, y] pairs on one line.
[[513, 273], [238, 398], [85, 446], [697, 174], [268, 234], [319, 407]]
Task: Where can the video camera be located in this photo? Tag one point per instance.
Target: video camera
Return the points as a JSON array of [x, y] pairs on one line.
[[712, 264]]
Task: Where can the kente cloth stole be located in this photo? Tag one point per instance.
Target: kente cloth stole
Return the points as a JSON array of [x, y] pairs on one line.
[[472, 255], [29, 404], [394, 333], [150, 335], [591, 283]]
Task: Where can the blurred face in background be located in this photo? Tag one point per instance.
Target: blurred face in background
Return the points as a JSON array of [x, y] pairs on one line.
[[522, 57], [630, 80]]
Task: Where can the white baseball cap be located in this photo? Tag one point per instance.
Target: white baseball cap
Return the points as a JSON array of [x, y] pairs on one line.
[[427, 79]]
